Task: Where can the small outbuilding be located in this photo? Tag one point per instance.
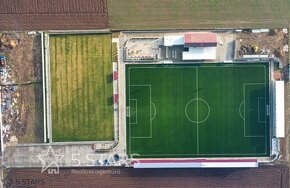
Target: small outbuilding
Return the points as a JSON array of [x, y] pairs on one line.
[[196, 46]]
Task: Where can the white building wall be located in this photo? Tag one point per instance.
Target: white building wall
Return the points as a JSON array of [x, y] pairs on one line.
[[279, 109], [200, 53], [173, 40]]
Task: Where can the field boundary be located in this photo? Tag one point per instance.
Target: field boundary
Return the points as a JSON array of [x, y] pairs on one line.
[[48, 88], [152, 118], [78, 32], [48, 82], [197, 123], [176, 66], [197, 131], [43, 87]]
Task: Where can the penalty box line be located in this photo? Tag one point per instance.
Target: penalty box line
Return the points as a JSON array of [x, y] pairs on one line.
[[252, 136], [150, 96], [136, 114], [261, 98], [197, 131]]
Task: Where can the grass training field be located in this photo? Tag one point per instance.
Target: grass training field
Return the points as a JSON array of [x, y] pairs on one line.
[[188, 14], [81, 87], [201, 110]]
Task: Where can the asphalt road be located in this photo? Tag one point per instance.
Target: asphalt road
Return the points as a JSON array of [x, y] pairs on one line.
[[267, 176]]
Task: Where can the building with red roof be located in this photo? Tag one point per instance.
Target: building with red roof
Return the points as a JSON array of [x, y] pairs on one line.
[[200, 40]]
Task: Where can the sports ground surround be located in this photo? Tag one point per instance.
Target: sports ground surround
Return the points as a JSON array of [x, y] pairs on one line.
[[197, 110]]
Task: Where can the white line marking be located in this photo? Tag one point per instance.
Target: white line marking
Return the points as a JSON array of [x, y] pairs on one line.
[[259, 98], [150, 114], [245, 111], [128, 111], [257, 66], [204, 154], [268, 110], [243, 102], [197, 132], [154, 111], [194, 66], [150, 136], [130, 145], [197, 99], [147, 85], [136, 113]]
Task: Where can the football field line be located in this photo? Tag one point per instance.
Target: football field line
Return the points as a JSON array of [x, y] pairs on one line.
[[199, 154], [240, 107], [197, 133], [244, 95], [204, 154], [154, 111], [136, 113], [138, 137], [259, 98], [204, 66]]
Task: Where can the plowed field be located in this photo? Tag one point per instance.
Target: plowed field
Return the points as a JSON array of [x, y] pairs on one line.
[[53, 14]]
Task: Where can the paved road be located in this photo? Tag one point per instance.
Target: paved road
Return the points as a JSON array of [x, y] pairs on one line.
[[269, 176]]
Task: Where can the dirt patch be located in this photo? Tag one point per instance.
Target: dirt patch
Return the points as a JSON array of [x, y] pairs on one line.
[[31, 114], [271, 43], [265, 176], [25, 59], [53, 14], [285, 142], [21, 91]]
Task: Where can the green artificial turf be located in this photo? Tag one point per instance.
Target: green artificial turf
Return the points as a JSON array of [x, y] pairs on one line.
[[197, 110]]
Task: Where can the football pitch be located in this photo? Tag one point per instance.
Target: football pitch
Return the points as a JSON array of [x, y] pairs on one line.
[[197, 110], [81, 87]]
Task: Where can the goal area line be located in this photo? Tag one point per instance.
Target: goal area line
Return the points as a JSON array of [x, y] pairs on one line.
[[136, 105]]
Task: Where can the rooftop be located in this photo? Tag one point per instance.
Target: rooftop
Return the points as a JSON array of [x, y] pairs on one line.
[[200, 38]]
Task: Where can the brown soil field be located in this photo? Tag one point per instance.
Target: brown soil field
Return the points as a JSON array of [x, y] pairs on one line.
[[53, 14], [265, 176], [25, 66], [25, 58], [31, 114]]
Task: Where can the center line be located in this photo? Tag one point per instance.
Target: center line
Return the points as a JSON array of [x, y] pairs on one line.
[[197, 135]]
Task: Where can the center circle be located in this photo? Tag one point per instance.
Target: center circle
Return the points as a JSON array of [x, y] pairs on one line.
[[197, 110]]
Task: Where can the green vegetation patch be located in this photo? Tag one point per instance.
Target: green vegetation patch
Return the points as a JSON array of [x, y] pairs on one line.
[[197, 110], [81, 87], [189, 14]]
